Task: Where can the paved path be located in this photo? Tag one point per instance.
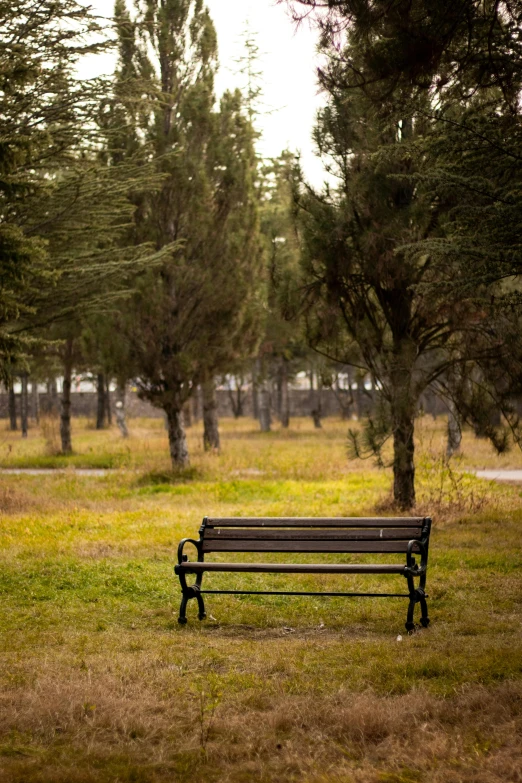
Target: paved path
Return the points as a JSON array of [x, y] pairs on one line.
[[500, 474]]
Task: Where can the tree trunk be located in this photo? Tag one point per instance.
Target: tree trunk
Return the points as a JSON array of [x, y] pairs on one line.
[[403, 424], [100, 411], [236, 400], [454, 432], [177, 439], [403, 462], [265, 419], [196, 404], [35, 398], [255, 388], [24, 405], [52, 393], [278, 391], [210, 417], [239, 400], [344, 398], [120, 410], [108, 411], [359, 406], [12, 407], [65, 420], [187, 414], [285, 396], [232, 400], [316, 397]]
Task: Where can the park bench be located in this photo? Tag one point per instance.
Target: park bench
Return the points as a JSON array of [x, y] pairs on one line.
[[373, 535]]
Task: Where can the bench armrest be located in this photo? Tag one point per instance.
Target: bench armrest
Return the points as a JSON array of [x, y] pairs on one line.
[[410, 562], [182, 543]]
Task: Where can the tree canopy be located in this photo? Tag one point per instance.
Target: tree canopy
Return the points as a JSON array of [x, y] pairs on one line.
[[406, 261], [45, 112]]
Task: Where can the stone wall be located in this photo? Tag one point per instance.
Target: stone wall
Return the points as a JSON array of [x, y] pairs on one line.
[[302, 402], [84, 404]]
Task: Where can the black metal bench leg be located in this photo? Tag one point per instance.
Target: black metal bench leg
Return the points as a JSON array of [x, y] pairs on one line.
[[183, 609], [425, 620], [191, 592], [410, 625], [418, 597], [201, 604]]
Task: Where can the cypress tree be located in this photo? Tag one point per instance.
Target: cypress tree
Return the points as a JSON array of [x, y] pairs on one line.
[[189, 314]]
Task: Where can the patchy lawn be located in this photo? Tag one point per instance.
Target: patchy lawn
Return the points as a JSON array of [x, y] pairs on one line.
[[99, 683]]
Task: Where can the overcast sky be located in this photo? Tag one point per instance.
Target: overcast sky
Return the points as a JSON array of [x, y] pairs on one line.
[[287, 59]]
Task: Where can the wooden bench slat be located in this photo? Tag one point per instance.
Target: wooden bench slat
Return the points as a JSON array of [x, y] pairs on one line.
[[318, 522], [296, 568], [337, 534], [306, 546]]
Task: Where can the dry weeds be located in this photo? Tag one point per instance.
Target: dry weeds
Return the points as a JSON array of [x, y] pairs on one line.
[[173, 731]]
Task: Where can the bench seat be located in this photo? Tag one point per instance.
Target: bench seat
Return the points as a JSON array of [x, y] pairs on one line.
[[292, 568]]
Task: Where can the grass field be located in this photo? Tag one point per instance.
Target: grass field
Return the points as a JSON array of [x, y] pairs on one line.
[[98, 682]]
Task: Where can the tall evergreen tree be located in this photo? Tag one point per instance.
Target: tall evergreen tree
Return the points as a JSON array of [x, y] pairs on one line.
[[283, 349], [188, 315], [394, 268], [457, 72], [63, 209], [44, 111]]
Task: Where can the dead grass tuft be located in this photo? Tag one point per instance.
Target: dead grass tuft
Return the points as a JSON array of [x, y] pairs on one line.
[[15, 499], [50, 431], [8, 499]]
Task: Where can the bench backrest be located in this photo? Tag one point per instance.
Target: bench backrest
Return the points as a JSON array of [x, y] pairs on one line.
[[295, 534]]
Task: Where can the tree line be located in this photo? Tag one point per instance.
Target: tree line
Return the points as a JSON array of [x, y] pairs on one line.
[[142, 236]]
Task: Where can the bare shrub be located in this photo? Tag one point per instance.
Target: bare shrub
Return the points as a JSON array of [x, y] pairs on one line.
[[444, 485]]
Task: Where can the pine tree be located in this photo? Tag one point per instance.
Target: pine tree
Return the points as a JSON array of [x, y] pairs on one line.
[[190, 315], [64, 210], [398, 267], [283, 349], [44, 110], [360, 286]]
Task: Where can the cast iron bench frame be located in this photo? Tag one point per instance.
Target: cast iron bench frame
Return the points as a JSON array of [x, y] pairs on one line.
[[379, 535]]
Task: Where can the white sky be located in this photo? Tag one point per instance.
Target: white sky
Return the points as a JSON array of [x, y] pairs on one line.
[[287, 59]]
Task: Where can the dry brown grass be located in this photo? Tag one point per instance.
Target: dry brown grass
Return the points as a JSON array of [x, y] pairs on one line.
[[174, 731]]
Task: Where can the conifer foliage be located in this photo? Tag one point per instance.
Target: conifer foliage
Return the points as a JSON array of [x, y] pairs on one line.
[[412, 260], [190, 314], [45, 110]]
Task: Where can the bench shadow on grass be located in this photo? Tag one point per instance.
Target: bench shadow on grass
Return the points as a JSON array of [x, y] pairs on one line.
[[241, 631]]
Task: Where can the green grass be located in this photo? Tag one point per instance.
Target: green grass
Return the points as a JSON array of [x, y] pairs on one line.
[[98, 682]]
